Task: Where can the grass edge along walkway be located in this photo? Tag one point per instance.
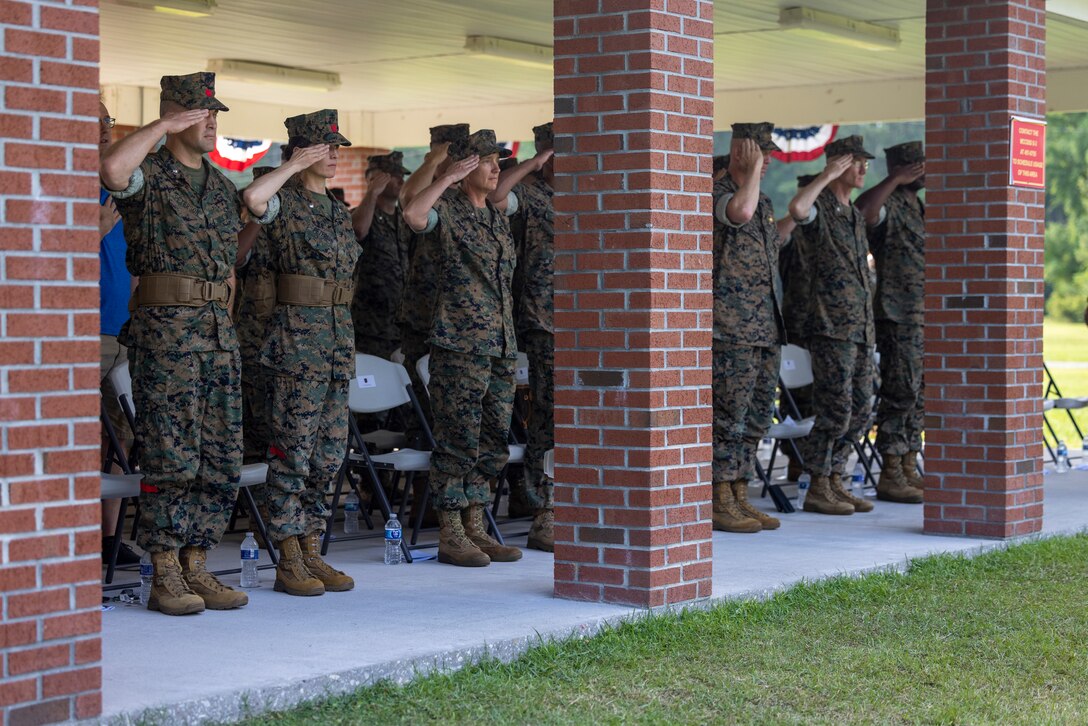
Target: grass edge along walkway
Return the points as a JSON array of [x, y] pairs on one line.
[[1001, 637]]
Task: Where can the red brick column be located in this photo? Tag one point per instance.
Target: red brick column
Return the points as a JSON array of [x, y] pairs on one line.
[[49, 510], [984, 270], [633, 122]]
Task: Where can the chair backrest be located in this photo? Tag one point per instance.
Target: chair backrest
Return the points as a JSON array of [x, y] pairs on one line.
[[397, 356], [521, 372], [423, 368], [379, 385], [796, 368], [121, 381]]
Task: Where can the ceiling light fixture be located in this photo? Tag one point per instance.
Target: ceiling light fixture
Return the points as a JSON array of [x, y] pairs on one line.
[[839, 28], [182, 8], [270, 74], [511, 51]]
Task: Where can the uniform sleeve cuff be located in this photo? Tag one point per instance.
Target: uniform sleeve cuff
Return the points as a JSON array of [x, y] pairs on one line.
[[432, 221], [511, 204], [721, 213], [135, 184], [272, 212], [809, 219]]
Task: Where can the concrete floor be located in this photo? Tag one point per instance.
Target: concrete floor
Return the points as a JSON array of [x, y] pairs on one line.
[[403, 620]]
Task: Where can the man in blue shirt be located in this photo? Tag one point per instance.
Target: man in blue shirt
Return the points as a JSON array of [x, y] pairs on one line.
[[114, 289]]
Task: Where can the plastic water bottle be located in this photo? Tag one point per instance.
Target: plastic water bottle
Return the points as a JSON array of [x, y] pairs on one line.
[[393, 554], [251, 554], [858, 481], [1062, 465], [147, 574], [802, 488], [351, 514], [1083, 465]]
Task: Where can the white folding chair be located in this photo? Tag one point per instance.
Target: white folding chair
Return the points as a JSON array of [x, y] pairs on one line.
[[795, 371], [251, 474], [379, 386]]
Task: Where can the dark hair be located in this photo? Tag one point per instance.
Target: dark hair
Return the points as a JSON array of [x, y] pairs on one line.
[[293, 143]]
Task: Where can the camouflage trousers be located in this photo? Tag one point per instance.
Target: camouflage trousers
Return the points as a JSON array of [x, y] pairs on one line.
[[842, 401], [472, 397], [308, 430], [745, 381], [900, 415], [189, 422], [254, 409], [539, 347]]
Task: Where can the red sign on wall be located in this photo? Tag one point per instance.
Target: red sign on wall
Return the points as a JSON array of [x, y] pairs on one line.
[[1027, 160]]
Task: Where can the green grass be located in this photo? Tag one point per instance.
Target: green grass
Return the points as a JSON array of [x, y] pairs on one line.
[[1064, 341], [1002, 638]]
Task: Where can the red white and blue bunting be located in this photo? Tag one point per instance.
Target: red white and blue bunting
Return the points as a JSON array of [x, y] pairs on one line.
[[803, 144], [238, 154]]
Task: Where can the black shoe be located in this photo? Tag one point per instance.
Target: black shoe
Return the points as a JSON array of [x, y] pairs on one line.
[[125, 555]]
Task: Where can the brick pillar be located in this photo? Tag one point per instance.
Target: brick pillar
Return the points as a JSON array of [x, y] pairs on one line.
[[49, 432], [984, 271], [633, 122]]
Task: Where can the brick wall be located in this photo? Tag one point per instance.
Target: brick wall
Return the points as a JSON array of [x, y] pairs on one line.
[[984, 270], [351, 172], [633, 122], [49, 511]]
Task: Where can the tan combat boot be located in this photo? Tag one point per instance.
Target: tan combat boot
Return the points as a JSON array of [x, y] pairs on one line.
[[542, 533], [170, 594], [822, 500], [292, 574], [740, 494], [727, 515], [844, 495], [215, 594], [454, 546], [476, 530], [893, 485], [333, 579], [910, 470]]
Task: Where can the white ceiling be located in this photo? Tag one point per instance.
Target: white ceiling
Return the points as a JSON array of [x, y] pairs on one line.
[[395, 57]]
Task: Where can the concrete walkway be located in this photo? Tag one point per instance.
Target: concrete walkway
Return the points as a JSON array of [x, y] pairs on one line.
[[399, 621]]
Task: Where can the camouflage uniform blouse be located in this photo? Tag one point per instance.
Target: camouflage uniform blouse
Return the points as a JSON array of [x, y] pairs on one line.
[[899, 246], [834, 251], [474, 309], [534, 234], [747, 286], [169, 228], [381, 276], [309, 341], [252, 313], [421, 286]]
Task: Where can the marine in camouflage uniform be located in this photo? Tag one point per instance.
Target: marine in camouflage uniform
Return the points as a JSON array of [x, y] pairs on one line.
[[748, 326], [473, 348], [831, 272], [382, 272], [256, 297], [308, 355], [534, 239], [416, 313], [181, 225], [897, 240]]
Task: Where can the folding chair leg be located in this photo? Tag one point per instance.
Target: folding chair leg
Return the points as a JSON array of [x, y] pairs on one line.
[[255, 517], [493, 527], [118, 533], [499, 487]]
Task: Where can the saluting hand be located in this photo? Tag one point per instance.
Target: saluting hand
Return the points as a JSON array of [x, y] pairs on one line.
[[438, 152], [378, 183], [908, 174], [749, 156], [541, 159], [177, 121], [837, 166], [304, 158], [463, 168]]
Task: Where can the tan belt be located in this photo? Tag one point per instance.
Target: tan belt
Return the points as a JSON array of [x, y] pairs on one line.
[[312, 291], [166, 288]]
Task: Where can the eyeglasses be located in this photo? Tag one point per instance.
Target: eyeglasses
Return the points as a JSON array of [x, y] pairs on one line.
[[109, 121]]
